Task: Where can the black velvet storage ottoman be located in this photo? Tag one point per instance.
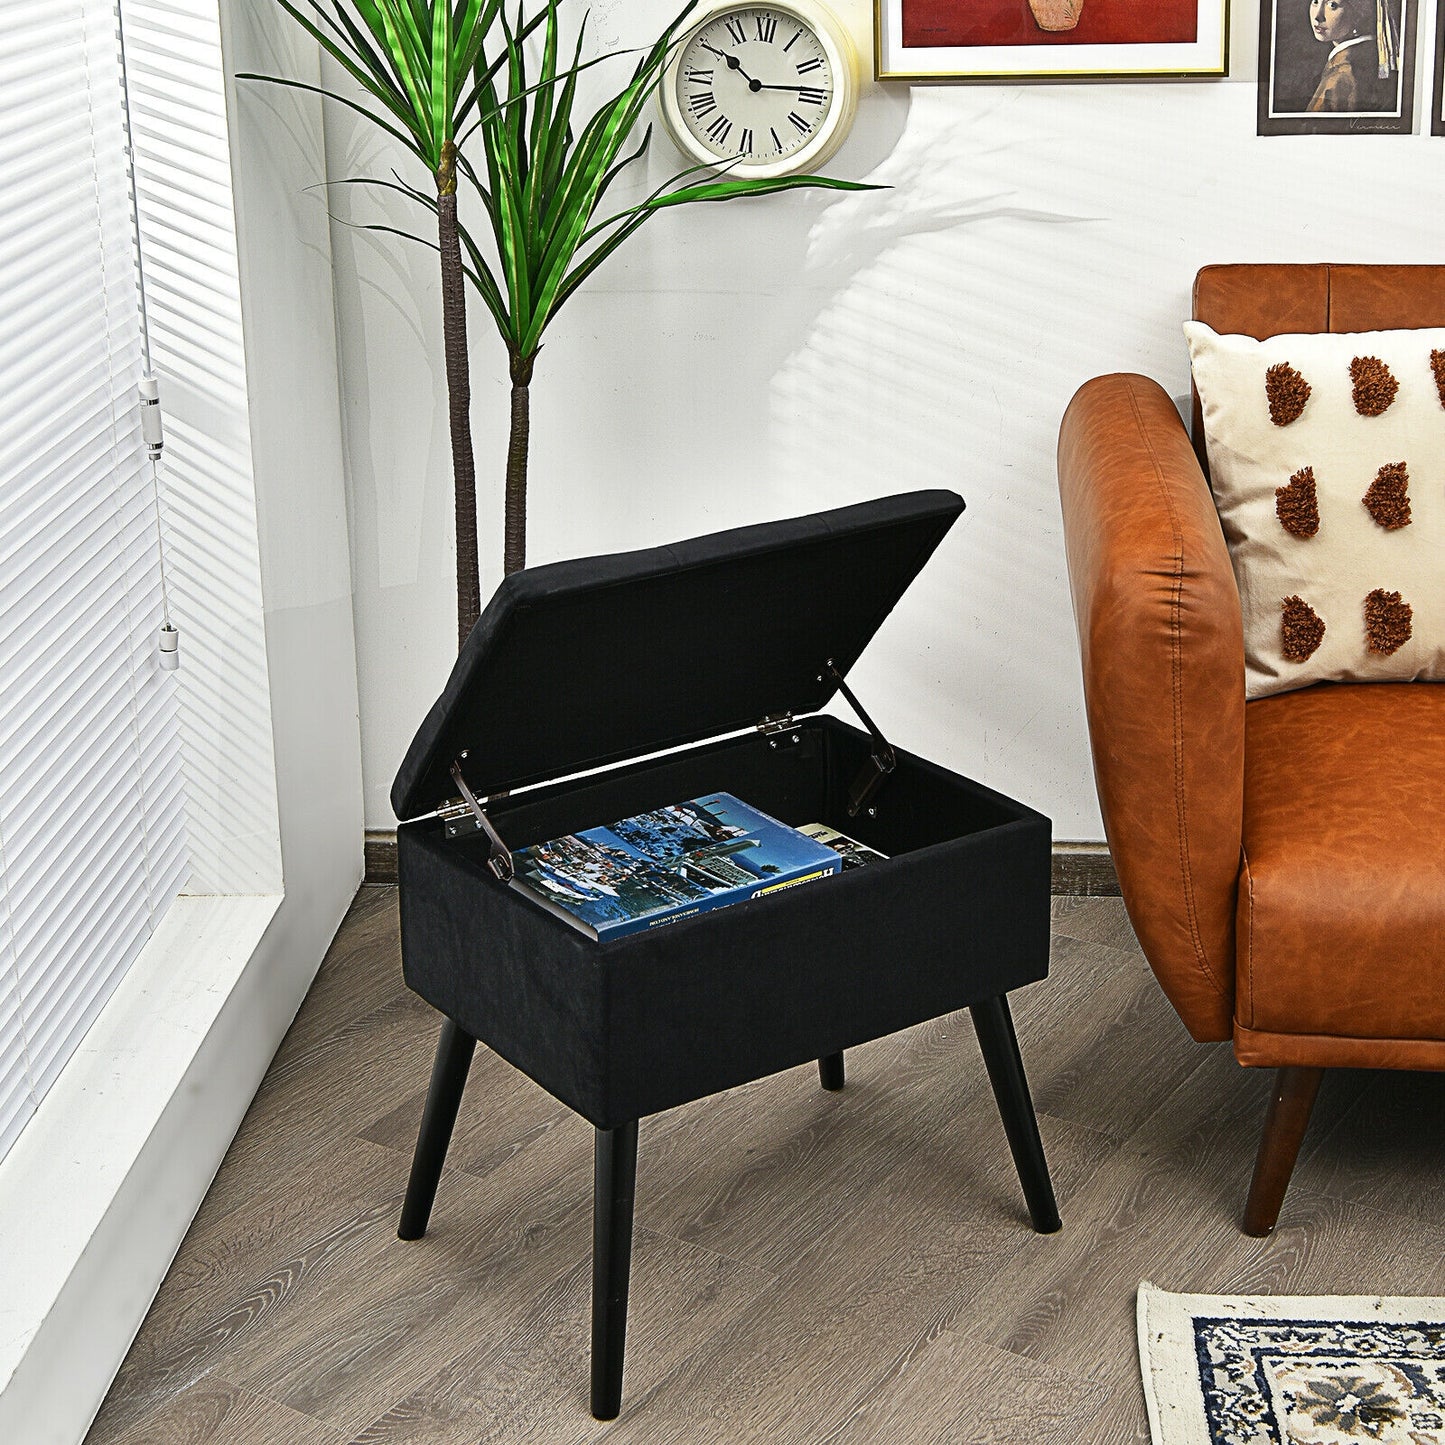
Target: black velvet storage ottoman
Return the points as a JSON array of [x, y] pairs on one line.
[[660, 676]]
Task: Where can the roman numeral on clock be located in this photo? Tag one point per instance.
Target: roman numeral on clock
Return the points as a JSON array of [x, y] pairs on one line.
[[719, 130], [806, 67], [736, 33], [700, 77], [745, 143], [798, 121], [812, 96], [777, 140], [703, 104], [767, 27], [793, 42]]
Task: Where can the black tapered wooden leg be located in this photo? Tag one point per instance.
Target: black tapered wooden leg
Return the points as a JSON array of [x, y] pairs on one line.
[[1000, 1047], [830, 1072], [614, 1186], [443, 1098], [1285, 1122]]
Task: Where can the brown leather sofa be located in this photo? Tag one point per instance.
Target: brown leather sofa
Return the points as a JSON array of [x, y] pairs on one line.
[[1282, 862]]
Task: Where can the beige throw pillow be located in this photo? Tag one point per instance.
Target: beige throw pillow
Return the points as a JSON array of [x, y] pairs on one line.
[[1327, 460]]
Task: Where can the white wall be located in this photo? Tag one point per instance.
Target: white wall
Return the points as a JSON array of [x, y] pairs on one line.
[[764, 358]]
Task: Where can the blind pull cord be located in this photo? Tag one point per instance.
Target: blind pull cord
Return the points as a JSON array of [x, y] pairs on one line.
[[168, 640]]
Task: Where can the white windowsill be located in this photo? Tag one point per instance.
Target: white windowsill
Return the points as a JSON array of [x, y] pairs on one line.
[[67, 1169]]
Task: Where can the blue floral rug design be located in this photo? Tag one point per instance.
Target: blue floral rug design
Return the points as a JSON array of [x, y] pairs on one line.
[[1222, 1370]]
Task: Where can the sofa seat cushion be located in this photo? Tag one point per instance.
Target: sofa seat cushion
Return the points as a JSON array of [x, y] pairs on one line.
[[1341, 924]]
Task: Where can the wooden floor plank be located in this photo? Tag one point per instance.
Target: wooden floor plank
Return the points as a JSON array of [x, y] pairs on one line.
[[502, 1113], [360, 972], [1089, 1029], [1094, 920], [491, 1249], [959, 1388], [226, 1280], [801, 1363], [1122, 1418], [761, 1173], [531, 1383], [1165, 1208], [1388, 1151], [215, 1412]]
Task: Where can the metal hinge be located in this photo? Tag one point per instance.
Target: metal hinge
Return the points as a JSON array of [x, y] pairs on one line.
[[780, 731], [458, 818], [883, 759], [458, 815]]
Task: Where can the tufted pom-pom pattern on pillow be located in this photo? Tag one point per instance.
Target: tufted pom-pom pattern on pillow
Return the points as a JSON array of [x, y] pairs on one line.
[[1327, 462]]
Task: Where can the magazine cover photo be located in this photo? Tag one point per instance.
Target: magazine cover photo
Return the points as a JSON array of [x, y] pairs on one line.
[[671, 862]]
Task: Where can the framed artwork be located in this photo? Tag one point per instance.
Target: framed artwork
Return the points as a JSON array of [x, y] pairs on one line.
[[1337, 67], [1437, 119], [1049, 39]]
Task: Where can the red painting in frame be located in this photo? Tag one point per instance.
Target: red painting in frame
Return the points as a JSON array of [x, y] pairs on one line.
[[1016, 39]]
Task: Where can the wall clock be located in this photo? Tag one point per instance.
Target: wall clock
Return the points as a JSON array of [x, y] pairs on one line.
[[762, 90]]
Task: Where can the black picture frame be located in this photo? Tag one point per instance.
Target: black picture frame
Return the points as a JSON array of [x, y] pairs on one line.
[[1292, 62], [1437, 117]]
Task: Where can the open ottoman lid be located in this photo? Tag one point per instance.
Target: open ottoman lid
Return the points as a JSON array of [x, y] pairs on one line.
[[588, 662]]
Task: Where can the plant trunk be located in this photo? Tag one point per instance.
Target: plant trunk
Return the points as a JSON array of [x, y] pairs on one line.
[[515, 529], [459, 396]]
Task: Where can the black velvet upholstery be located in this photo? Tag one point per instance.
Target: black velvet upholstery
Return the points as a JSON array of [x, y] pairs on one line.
[[956, 914], [588, 662]]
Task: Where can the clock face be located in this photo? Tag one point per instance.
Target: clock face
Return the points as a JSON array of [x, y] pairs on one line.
[[756, 89]]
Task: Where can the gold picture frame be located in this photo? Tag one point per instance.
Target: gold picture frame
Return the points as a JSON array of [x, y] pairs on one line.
[[993, 40]]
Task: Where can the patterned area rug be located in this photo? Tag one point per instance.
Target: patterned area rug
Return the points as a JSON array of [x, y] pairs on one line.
[[1291, 1370]]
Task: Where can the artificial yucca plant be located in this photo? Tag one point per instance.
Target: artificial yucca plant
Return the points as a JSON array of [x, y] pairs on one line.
[[484, 97]]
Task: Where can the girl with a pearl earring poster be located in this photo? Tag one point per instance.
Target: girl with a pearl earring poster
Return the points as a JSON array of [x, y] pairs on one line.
[[1336, 66]]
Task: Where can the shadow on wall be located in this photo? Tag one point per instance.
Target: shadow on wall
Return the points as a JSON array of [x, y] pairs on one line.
[[797, 285], [841, 248], [394, 389], [910, 360]]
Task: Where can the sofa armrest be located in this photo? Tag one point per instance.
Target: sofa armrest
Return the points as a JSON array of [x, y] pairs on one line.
[[1163, 658]]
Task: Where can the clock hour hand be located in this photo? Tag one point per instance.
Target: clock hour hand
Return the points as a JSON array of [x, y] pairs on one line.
[[733, 64]]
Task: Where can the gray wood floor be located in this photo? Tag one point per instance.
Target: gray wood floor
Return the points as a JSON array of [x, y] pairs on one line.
[[808, 1266]]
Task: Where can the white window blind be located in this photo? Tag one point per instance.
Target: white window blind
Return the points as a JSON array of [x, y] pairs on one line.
[[193, 302], [92, 825]]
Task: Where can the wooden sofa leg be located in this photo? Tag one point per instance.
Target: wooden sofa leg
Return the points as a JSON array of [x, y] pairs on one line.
[[1285, 1122]]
